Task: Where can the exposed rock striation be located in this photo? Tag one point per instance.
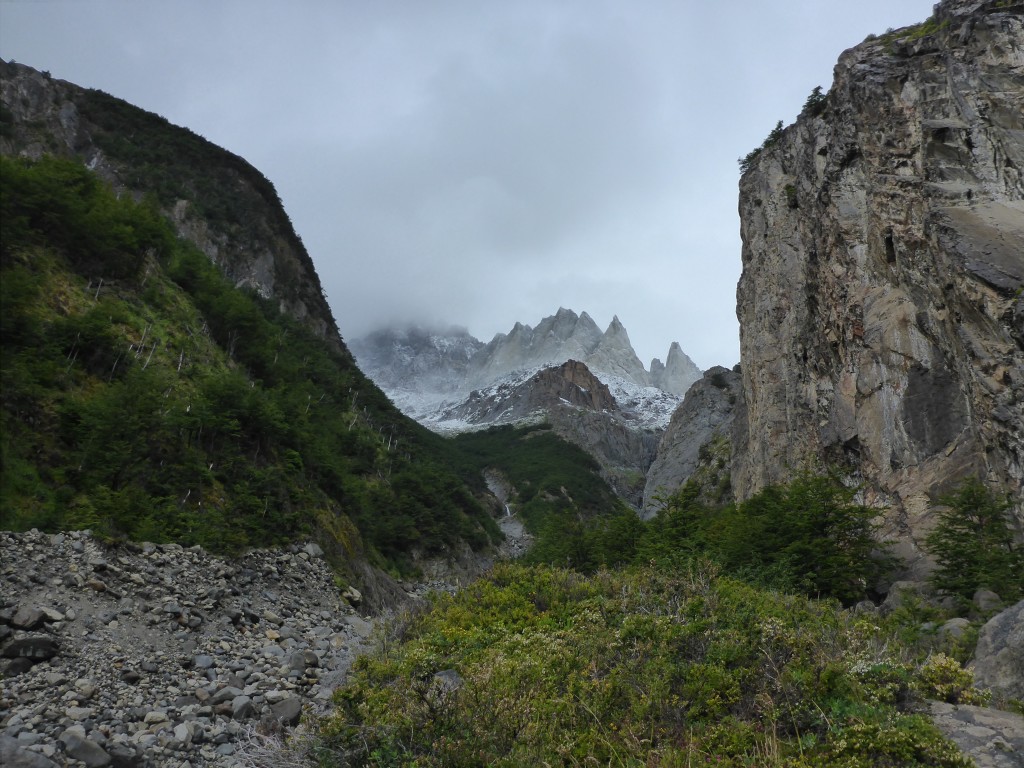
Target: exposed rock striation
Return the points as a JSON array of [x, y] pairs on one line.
[[880, 305]]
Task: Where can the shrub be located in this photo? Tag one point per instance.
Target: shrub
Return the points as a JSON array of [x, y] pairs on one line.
[[816, 102], [747, 162], [633, 667]]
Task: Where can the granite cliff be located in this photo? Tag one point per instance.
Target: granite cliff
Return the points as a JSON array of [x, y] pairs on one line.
[[881, 310]]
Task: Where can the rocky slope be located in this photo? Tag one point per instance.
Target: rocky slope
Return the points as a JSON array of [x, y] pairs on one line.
[[149, 655], [881, 310], [216, 199], [705, 416], [580, 408]]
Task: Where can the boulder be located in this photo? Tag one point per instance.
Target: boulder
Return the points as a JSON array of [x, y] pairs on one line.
[[986, 600], [287, 711], [76, 745], [34, 647], [28, 618], [13, 755], [999, 658]]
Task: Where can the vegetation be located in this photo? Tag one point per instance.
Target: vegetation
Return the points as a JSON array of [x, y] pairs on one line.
[[915, 32], [747, 162], [646, 666], [974, 546], [816, 102], [145, 397], [668, 661], [558, 493], [808, 537]]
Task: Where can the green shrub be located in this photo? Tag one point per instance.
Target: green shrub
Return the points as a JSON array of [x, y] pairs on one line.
[[631, 667], [816, 102], [773, 138], [808, 535], [973, 544]]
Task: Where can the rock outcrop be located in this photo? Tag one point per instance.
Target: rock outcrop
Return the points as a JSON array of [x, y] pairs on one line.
[[570, 384], [215, 199], [999, 658], [706, 413], [880, 305], [677, 374]]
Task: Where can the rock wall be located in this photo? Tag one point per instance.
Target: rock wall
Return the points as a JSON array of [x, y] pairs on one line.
[[880, 306]]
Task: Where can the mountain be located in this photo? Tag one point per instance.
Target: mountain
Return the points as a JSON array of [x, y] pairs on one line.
[[428, 373], [698, 435], [588, 384], [881, 306], [215, 199], [170, 368], [417, 367]]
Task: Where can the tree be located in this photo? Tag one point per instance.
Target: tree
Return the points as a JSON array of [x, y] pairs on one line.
[[974, 546]]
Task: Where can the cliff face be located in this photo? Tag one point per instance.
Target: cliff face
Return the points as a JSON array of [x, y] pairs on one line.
[[217, 200], [880, 303]]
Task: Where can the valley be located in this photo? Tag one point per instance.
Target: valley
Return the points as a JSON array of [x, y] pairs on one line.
[[232, 537]]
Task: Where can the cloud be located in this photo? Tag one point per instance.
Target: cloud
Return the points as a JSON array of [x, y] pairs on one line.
[[481, 163]]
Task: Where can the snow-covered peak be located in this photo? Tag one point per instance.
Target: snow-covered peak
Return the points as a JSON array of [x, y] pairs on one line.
[[421, 369]]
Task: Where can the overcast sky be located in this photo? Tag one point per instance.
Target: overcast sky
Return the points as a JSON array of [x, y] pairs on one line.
[[476, 162]]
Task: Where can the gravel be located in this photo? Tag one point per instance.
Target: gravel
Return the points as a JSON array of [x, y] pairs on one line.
[[156, 655]]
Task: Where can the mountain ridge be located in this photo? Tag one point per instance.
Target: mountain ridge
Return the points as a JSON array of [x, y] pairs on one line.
[[415, 367]]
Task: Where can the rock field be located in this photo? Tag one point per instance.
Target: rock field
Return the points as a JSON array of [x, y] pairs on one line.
[[156, 655]]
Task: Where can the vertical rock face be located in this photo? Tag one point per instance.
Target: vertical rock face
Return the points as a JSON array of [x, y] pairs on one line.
[[880, 304]]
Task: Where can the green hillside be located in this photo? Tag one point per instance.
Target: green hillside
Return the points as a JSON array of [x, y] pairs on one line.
[[145, 397]]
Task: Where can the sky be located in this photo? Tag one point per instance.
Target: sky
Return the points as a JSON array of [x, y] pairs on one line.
[[476, 162]]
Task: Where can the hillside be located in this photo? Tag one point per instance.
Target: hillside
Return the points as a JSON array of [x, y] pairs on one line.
[[146, 397], [215, 199]]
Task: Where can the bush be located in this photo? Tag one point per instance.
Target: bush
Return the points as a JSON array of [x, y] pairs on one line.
[[816, 102], [808, 535], [535, 666], [747, 162]]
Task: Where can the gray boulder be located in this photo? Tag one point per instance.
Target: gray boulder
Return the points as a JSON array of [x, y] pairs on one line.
[[287, 711], [13, 755], [999, 658], [34, 647], [76, 745]]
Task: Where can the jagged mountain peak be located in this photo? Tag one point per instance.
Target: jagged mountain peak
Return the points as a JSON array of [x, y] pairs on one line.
[[430, 374]]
